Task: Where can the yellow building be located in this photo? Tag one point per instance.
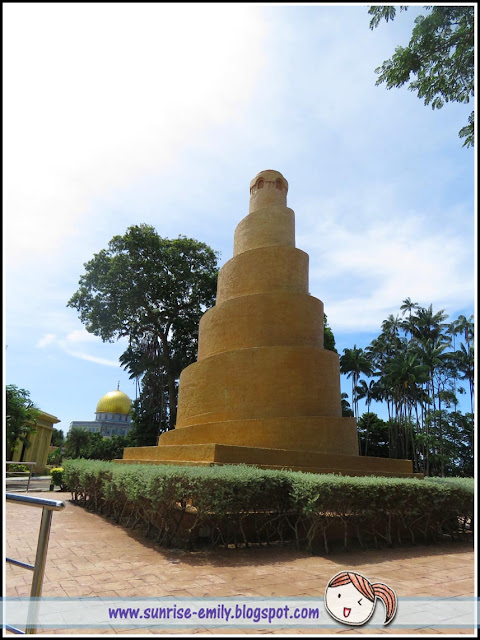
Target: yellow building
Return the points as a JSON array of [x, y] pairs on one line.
[[39, 442], [264, 391]]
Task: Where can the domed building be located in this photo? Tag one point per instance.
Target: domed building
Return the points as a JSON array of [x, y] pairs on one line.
[[112, 415]]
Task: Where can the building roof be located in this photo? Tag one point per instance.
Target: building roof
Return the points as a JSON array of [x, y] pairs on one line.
[[114, 402]]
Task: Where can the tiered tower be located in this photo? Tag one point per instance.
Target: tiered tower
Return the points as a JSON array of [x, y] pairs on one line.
[[264, 391]]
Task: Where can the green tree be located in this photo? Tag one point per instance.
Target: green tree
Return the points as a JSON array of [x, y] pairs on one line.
[[154, 291], [460, 439], [405, 375], [408, 305], [328, 337], [149, 414], [346, 410], [440, 56], [373, 435], [58, 438], [417, 364], [465, 360], [77, 441], [102, 448], [465, 355], [353, 363], [21, 415], [465, 328], [369, 392]]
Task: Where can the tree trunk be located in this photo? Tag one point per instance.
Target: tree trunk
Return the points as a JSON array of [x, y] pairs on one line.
[[172, 394], [172, 401], [440, 426]]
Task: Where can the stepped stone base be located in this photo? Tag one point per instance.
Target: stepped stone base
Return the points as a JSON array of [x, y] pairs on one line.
[[307, 461], [298, 433]]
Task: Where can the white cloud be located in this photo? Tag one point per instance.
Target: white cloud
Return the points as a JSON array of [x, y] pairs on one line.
[[364, 265], [48, 338], [117, 114], [90, 358], [98, 94], [81, 335], [77, 337]]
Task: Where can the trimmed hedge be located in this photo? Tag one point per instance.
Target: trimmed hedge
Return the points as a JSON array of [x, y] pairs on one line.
[[235, 504]]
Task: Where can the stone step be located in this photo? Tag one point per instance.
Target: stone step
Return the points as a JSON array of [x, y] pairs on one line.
[[308, 461]]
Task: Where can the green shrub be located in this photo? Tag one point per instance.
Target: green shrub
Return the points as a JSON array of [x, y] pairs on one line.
[[243, 504], [57, 477], [17, 468], [55, 457]]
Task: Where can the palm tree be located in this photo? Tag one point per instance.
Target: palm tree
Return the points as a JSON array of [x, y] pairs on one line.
[[391, 326], [431, 353], [427, 325], [416, 373], [353, 363], [346, 411], [452, 331], [464, 357], [370, 392], [406, 373], [408, 305], [466, 365], [381, 352], [77, 439], [465, 327]]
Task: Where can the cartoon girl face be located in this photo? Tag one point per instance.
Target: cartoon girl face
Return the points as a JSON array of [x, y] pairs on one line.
[[350, 598], [346, 604]]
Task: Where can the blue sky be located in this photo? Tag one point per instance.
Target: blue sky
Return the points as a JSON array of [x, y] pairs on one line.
[[119, 113]]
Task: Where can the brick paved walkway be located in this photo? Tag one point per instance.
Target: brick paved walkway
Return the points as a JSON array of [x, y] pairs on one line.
[[89, 555]]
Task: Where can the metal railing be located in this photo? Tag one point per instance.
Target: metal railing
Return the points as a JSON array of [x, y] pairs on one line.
[[26, 464], [48, 507]]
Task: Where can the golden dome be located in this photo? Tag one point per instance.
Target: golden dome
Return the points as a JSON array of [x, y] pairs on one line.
[[114, 402]]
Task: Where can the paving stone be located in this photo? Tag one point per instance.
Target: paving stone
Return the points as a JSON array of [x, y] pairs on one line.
[[90, 555]]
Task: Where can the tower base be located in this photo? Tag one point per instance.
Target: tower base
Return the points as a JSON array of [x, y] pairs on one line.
[[293, 460]]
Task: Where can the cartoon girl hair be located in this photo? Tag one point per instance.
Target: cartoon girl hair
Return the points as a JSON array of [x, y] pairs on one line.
[[368, 590]]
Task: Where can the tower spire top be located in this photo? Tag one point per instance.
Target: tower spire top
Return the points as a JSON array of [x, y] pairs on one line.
[[267, 188]]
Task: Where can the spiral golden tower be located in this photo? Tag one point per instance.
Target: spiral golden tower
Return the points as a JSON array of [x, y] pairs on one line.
[[264, 391]]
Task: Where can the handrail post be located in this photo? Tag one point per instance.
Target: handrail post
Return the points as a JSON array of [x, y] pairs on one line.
[[48, 507], [30, 465], [29, 478], [39, 572]]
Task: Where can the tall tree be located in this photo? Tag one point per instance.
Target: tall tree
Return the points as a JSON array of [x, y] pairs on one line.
[[77, 440], [154, 291], [58, 438], [465, 328], [418, 363], [465, 356], [21, 415], [466, 366], [440, 56], [346, 410], [408, 305], [368, 392], [353, 363], [373, 436]]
